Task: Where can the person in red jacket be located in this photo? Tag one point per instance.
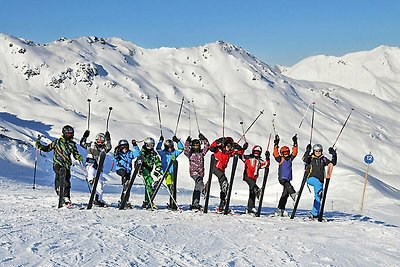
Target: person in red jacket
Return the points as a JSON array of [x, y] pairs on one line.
[[285, 175], [252, 164], [223, 149]]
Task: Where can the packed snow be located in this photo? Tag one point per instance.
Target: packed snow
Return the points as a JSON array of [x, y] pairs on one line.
[[45, 86]]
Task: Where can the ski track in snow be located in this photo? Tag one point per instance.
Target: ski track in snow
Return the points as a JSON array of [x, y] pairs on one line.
[[33, 232]]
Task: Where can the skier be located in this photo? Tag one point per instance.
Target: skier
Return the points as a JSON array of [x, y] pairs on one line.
[[316, 165], [63, 148], [252, 164], [123, 158], [167, 154], [224, 148], [151, 161], [102, 143], [196, 155], [285, 175]]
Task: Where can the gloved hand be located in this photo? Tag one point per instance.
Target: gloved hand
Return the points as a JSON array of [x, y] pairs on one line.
[[161, 138], [221, 141], [134, 142], [332, 151], [267, 155], [294, 139], [188, 139], [276, 140], [116, 150], [201, 136], [79, 157], [175, 139], [308, 148], [245, 146], [86, 134], [107, 136], [236, 146], [38, 144]]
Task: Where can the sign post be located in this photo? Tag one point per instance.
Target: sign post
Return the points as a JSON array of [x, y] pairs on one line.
[[368, 159]]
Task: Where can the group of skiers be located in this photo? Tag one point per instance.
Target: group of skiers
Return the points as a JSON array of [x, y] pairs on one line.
[[156, 162]]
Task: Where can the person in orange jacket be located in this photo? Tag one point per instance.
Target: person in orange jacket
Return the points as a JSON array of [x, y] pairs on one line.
[[252, 164], [224, 148], [285, 175]]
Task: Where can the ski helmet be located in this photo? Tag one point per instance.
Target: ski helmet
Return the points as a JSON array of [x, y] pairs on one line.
[[285, 150], [256, 149], [168, 144], [123, 143], [149, 142], [228, 140], [317, 147], [68, 131], [100, 139], [195, 142]]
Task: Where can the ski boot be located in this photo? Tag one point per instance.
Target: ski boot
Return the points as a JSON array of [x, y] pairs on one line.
[[67, 202], [251, 210], [312, 216], [281, 213]]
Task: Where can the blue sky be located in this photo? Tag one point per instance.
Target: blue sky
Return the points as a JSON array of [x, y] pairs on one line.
[[277, 32]]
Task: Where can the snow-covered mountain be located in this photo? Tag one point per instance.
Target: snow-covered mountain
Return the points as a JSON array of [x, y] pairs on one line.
[[44, 87], [376, 72]]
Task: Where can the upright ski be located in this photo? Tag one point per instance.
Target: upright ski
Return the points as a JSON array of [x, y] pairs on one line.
[[63, 173], [208, 184], [160, 181], [327, 180], [303, 182], [102, 158], [172, 200], [228, 197], [127, 192], [266, 172]]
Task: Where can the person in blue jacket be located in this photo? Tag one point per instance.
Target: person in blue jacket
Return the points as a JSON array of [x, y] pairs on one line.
[[123, 158], [167, 154]]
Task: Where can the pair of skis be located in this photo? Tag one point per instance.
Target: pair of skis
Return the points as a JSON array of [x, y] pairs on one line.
[[234, 166]]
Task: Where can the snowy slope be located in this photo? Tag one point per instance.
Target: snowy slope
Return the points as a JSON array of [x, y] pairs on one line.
[[44, 87], [376, 72]]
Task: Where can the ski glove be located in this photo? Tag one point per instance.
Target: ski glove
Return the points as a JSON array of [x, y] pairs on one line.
[[221, 141], [294, 139], [116, 150], [175, 139], [134, 142], [276, 141], [86, 134], [79, 157], [201, 136], [332, 151], [107, 136], [245, 146], [188, 139], [161, 138], [308, 148], [267, 155]]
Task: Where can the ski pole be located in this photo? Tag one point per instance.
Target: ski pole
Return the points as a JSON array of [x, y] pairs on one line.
[[254, 121], [312, 122], [244, 136], [85, 174], [195, 114], [159, 114], [190, 125], [223, 118], [301, 122], [108, 117], [36, 160], [341, 130], [88, 122], [179, 116], [273, 123], [269, 141]]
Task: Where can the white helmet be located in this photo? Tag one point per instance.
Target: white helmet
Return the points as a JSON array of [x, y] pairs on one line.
[[317, 147], [100, 139], [149, 142]]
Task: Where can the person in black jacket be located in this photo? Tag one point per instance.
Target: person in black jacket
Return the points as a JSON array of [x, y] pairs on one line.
[[317, 162]]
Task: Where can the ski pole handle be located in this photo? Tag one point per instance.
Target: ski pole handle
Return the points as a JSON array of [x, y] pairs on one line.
[[108, 117]]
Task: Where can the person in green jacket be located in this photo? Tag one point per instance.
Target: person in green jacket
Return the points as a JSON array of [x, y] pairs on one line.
[[63, 148]]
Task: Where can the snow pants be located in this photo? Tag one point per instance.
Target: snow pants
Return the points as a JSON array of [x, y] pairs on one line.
[[67, 180], [223, 183], [91, 171], [198, 188], [148, 185], [253, 189], [287, 191], [125, 177], [318, 185]]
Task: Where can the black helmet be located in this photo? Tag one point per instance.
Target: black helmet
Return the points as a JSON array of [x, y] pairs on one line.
[[168, 144], [123, 143], [195, 142], [68, 132]]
